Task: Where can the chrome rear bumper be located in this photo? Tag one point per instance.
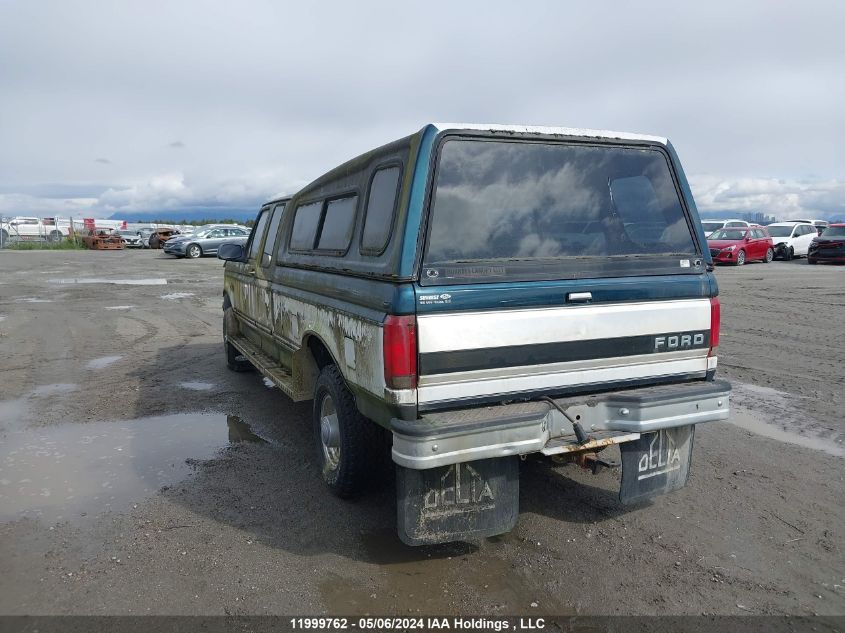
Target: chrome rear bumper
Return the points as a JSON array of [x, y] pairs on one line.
[[452, 437]]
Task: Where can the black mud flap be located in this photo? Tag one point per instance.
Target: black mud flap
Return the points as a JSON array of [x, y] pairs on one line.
[[457, 502], [656, 463]]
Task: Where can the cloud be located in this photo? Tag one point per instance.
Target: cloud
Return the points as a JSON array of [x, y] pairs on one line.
[[780, 198], [223, 107], [25, 204]]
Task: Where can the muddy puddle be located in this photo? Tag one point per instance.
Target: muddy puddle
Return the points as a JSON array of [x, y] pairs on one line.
[[751, 421], [778, 416], [433, 579], [175, 296], [106, 280], [102, 362], [72, 471], [197, 386]]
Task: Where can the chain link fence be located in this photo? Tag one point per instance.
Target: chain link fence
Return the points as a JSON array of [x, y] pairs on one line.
[[18, 232]]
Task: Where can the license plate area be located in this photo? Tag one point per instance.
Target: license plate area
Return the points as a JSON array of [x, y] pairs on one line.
[[656, 463]]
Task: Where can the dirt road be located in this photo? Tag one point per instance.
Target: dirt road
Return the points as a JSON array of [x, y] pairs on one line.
[[139, 475]]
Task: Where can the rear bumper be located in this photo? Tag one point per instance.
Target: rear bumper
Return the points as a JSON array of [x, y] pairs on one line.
[[529, 427]]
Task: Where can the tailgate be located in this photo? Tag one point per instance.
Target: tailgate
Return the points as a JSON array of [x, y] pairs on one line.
[[493, 354]]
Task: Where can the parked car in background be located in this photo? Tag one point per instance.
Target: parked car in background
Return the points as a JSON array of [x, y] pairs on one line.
[[102, 239], [29, 228], [829, 246], [710, 226], [820, 225], [792, 239], [739, 245], [159, 236], [206, 240], [144, 235], [131, 239]]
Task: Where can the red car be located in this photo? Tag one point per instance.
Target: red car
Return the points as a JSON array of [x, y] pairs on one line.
[[738, 245]]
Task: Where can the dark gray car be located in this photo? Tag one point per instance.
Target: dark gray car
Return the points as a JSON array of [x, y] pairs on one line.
[[205, 241]]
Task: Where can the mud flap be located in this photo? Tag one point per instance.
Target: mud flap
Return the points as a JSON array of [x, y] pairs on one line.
[[656, 463], [457, 502]]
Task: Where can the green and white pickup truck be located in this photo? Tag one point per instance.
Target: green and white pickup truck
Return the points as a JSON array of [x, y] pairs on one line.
[[473, 294]]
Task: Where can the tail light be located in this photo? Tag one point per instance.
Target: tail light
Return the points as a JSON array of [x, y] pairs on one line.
[[715, 324], [400, 352]]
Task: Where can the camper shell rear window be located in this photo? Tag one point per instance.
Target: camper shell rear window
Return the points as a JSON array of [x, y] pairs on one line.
[[532, 210]]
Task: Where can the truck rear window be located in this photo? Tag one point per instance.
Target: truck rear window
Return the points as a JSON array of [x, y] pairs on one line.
[[532, 210]]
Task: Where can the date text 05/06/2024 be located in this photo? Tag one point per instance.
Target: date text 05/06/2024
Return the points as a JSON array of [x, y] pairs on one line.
[[433, 623]]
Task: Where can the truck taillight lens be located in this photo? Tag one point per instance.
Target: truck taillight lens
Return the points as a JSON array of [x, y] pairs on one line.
[[400, 352], [715, 324]]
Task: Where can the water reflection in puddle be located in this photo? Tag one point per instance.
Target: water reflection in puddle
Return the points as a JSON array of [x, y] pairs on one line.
[[173, 296], [102, 362], [779, 416], [102, 280], [197, 386], [54, 389], [748, 420], [74, 470]]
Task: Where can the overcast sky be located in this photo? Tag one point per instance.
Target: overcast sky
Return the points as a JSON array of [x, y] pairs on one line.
[[150, 106]]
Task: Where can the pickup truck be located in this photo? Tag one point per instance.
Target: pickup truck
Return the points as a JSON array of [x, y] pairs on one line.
[[472, 295], [27, 228]]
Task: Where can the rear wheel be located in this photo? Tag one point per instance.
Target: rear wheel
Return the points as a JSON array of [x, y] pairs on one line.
[[740, 258], [348, 444], [193, 251], [811, 260], [770, 255], [54, 236], [4, 237]]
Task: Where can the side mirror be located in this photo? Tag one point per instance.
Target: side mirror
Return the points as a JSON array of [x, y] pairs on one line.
[[231, 252]]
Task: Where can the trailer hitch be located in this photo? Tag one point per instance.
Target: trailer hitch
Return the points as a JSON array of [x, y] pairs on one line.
[[580, 435], [596, 462]]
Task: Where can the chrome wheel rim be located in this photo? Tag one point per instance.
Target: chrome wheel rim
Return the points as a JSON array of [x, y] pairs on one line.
[[194, 251], [329, 432], [741, 258]]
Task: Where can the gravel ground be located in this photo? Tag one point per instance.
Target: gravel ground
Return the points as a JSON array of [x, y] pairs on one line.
[[139, 475]]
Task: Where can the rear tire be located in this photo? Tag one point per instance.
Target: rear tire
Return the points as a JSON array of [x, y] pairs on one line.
[[4, 237], [348, 444], [740, 258], [770, 255], [54, 236], [811, 260]]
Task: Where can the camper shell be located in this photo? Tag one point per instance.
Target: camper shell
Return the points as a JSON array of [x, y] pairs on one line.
[[472, 294]]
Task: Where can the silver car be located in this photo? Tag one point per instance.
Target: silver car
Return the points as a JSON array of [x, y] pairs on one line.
[[205, 240], [131, 239]]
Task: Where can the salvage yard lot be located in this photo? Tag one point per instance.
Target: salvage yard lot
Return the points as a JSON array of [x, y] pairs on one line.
[[139, 475]]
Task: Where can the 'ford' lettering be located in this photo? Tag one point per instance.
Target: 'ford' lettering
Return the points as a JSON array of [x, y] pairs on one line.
[[673, 342]]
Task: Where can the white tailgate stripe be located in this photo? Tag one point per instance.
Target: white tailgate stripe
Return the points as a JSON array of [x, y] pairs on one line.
[[474, 330], [557, 380]]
